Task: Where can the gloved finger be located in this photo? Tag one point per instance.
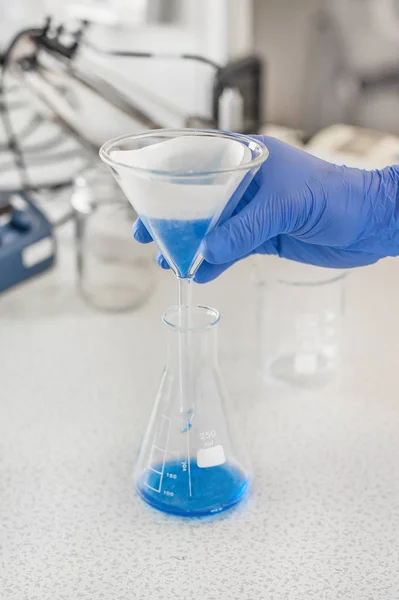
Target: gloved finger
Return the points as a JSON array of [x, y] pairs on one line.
[[323, 256], [283, 204], [207, 272], [140, 232], [270, 247], [243, 233], [249, 194], [162, 262]]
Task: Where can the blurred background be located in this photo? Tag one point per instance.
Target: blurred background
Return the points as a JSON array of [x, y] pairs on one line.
[[80, 302], [321, 75], [303, 66]]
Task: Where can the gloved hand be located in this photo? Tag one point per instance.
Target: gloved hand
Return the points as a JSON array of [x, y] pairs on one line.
[[308, 210]]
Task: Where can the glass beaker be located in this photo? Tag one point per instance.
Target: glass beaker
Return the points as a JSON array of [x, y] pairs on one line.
[[192, 461], [114, 273], [301, 310]]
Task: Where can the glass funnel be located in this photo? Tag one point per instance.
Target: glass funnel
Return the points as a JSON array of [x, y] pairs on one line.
[[182, 183], [192, 461]]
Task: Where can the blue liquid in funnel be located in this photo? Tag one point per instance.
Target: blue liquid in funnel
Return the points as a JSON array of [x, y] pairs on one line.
[[180, 238], [213, 489]]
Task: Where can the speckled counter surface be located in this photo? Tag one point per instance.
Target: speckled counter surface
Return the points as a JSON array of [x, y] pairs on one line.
[[76, 388]]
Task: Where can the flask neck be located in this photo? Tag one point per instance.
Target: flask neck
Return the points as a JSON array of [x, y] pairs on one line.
[[192, 334]]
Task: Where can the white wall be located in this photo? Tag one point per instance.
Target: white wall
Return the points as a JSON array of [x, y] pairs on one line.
[[363, 39], [281, 30]]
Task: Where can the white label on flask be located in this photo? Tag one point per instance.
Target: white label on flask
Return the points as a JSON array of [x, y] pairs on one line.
[[38, 252], [210, 457], [305, 364]]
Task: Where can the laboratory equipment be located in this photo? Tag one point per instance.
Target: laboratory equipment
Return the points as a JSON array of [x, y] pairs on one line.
[[27, 243], [76, 94], [245, 76], [231, 110], [113, 274], [301, 313], [192, 460], [82, 86], [182, 183]]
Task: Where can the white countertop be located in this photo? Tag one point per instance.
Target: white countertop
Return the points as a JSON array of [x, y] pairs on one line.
[[77, 386]]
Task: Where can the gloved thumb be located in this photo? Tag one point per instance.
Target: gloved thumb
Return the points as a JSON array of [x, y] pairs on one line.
[[262, 219]]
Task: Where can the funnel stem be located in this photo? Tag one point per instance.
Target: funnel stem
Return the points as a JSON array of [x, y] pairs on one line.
[[185, 304], [185, 298], [186, 396]]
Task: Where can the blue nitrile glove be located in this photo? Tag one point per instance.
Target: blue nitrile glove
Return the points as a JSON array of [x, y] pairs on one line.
[[308, 210]]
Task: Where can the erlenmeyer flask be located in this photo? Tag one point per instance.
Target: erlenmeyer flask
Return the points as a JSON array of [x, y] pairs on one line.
[[192, 461]]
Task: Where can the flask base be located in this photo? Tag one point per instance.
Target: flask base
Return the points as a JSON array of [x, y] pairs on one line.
[[213, 489]]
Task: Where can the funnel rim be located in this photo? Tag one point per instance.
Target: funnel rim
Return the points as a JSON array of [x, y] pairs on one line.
[[104, 152]]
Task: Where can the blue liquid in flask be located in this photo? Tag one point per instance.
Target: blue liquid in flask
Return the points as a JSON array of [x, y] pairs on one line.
[[213, 489], [181, 238]]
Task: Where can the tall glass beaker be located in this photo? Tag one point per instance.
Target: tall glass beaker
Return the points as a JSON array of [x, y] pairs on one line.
[[301, 311], [112, 273], [192, 461]]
